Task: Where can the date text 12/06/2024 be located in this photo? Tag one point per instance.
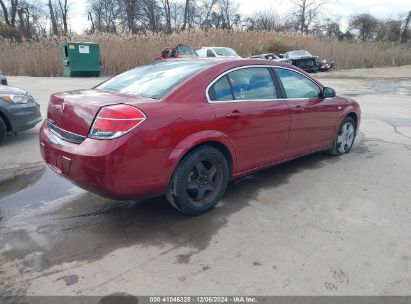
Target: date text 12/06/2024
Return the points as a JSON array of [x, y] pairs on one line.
[[204, 299]]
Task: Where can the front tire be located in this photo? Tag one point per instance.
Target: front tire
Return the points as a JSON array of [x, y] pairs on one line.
[[3, 129], [199, 181], [344, 140]]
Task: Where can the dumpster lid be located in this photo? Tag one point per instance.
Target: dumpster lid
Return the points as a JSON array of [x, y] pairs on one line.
[[77, 42]]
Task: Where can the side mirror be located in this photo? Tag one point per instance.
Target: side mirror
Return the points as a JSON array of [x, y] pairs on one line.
[[328, 93]]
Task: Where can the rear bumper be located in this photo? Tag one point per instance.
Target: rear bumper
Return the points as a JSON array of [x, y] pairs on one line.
[[121, 169]]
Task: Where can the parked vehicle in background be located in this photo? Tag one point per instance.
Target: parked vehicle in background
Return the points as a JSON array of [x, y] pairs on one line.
[[18, 110], [217, 52], [185, 127], [180, 51], [272, 56], [307, 62], [3, 79]]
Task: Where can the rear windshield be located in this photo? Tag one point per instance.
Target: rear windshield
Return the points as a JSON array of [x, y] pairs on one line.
[[154, 80]]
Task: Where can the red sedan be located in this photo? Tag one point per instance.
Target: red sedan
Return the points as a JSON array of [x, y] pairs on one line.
[[185, 127]]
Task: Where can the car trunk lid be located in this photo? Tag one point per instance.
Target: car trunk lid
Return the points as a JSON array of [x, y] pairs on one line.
[[73, 113]]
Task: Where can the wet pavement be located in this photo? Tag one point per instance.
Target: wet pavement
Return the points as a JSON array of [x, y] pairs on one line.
[[318, 225], [31, 190], [109, 225]]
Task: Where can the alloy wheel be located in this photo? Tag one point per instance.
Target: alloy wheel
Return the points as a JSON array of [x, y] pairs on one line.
[[204, 181], [345, 137]]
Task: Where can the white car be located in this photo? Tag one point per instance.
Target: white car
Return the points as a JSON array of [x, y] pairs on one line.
[[217, 52]]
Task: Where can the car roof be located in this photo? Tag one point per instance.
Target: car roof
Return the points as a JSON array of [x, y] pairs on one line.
[[229, 61], [219, 65], [234, 62]]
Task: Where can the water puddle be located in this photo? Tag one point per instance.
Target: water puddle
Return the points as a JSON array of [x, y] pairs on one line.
[[397, 87], [14, 181], [399, 122], [30, 191], [380, 87]]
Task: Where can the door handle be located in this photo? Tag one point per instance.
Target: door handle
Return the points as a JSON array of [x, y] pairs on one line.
[[234, 114], [299, 108]]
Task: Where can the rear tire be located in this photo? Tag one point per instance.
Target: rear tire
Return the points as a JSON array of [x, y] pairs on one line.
[[345, 137], [199, 181], [3, 129]]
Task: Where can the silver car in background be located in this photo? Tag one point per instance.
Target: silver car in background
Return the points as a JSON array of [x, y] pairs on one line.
[[219, 52]]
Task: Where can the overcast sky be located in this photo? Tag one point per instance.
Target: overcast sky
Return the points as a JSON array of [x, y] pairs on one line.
[[344, 8]]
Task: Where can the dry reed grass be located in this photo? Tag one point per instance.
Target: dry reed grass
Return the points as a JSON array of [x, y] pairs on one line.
[[122, 52]]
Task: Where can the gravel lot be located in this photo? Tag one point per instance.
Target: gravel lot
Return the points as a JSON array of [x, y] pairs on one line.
[[319, 225]]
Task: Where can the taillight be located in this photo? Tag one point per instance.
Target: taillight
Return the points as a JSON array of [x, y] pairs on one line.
[[115, 121]]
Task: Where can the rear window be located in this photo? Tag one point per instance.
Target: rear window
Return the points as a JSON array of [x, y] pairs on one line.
[[154, 80]]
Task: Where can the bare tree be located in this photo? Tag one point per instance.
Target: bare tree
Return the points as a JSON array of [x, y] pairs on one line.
[[104, 15], [64, 15], [177, 15], [236, 21], [366, 25], [167, 14], [9, 9], [228, 12], [331, 28], [405, 33], [130, 10], [29, 13], [23, 17], [53, 19], [306, 12], [328, 28], [90, 18], [224, 15], [186, 14], [205, 10], [5, 12], [389, 30], [13, 4], [150, 15], [266, 20]]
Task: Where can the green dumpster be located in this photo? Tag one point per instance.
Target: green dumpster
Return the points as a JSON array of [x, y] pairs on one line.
[[80, 59]]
